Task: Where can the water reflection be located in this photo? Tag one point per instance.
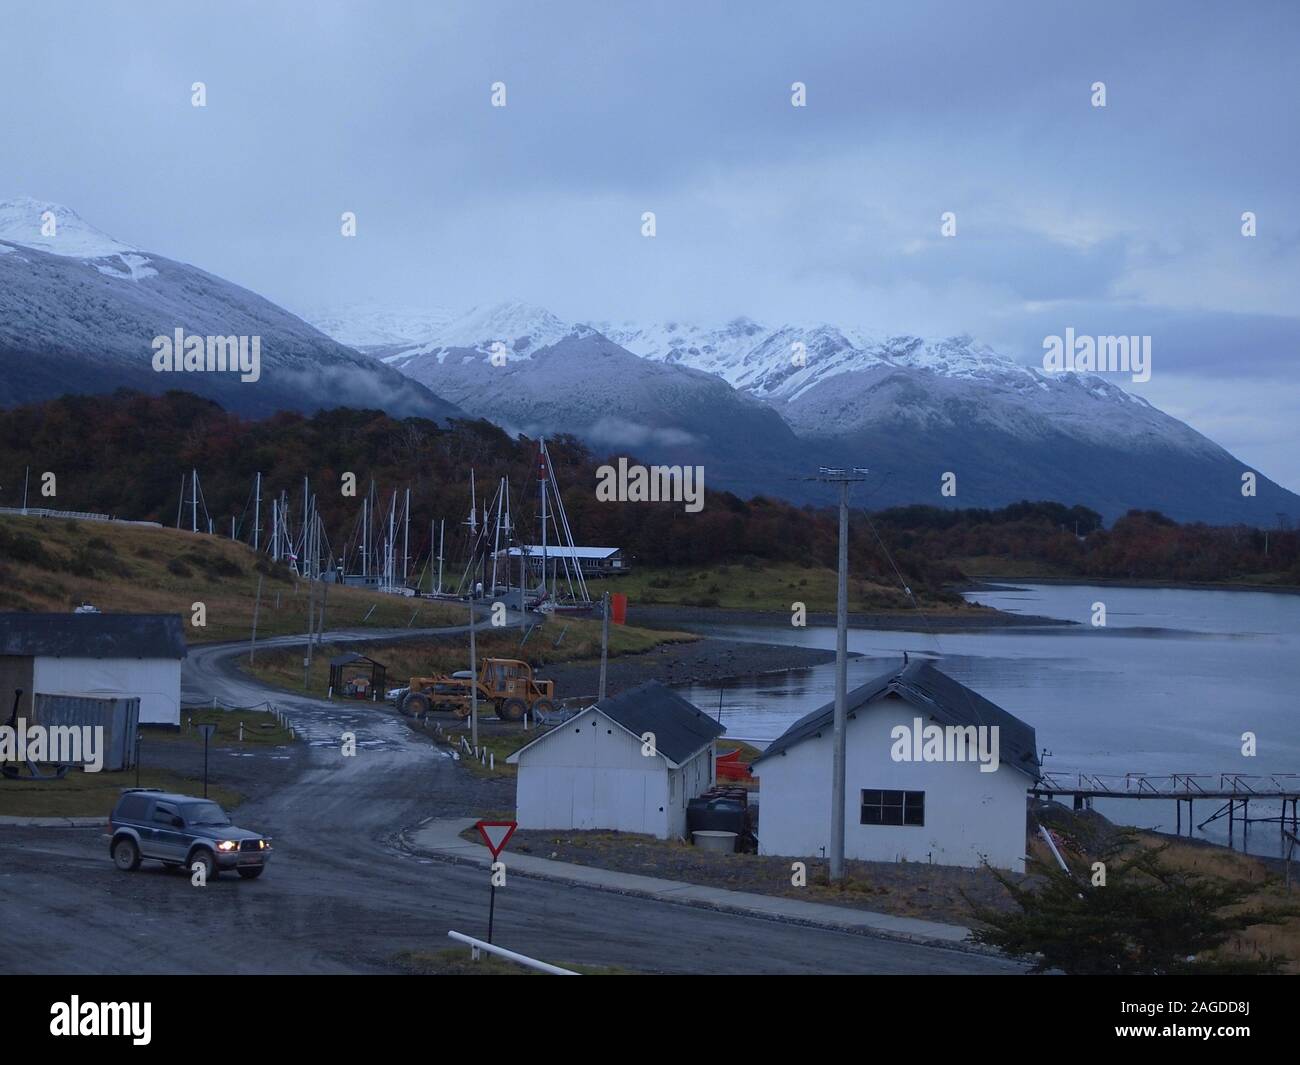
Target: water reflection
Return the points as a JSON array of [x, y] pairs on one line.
[[1169, 685]]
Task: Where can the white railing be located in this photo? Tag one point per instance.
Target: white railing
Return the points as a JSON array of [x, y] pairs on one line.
[[72, 515], [477, 945]]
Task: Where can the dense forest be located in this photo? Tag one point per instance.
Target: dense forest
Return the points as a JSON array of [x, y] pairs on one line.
[[1071, 541], [126, 456]]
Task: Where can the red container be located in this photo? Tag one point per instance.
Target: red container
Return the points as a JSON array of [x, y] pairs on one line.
[[618, 608]]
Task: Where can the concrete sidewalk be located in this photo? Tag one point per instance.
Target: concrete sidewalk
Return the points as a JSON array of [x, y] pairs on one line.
[[441, 838], [55, 822]]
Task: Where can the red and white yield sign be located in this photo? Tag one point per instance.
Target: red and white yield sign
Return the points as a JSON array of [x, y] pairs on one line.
[[496, 834]]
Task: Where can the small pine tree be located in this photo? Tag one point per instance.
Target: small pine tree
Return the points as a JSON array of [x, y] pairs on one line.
[[1148, 919]]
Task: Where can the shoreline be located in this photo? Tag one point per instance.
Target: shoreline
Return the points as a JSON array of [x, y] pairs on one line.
[[999, 582], [702, 661], [666, 616]]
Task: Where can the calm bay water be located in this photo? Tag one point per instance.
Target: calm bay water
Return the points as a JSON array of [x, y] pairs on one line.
[[1167, 686]]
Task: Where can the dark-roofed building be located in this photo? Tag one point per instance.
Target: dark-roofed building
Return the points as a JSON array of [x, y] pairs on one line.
[[934, 772], [92, 654], [630, 763]]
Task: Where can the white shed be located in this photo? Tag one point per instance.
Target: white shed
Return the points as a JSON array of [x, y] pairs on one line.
[[918, 785], [600, 770], [101, 655]]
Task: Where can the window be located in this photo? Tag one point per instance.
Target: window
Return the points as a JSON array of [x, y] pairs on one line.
[[133, 808], [893, 807], [163, 813]]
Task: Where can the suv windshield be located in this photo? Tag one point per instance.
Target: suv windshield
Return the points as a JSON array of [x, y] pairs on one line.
[[204, 813]]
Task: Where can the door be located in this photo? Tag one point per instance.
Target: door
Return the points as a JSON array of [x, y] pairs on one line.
[[166, 838]]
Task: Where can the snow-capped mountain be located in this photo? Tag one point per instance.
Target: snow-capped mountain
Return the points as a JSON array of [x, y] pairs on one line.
[[80, 310], [363, 326], [525, 369], [520, 329], [911, 409]]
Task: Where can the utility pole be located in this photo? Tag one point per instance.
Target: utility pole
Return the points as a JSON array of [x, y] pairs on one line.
[[604, 646], [28, 474], [473, 681], [257, 609], [257, 512], [311, 606], [844, 478], [194, 501]]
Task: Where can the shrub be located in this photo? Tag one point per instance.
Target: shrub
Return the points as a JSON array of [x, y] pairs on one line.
[[19, 547]]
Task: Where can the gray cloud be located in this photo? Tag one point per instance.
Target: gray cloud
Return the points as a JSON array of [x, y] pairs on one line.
[[1126, 217]]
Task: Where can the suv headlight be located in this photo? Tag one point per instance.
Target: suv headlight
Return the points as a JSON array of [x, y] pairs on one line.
[[263, 845], [227, 845]]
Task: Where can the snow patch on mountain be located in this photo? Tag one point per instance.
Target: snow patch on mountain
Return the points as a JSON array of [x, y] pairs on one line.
[[22, 221], [364, 325], [521, 329]]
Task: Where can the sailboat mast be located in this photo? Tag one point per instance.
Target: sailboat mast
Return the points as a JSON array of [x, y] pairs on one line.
[[541, 480]]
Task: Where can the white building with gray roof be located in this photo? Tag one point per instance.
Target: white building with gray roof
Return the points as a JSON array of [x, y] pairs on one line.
[[934, 772], [630, 763]]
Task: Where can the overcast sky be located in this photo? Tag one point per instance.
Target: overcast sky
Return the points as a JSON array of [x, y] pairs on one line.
[[1125, 219]]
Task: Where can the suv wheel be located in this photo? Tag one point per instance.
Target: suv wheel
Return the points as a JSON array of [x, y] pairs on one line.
[[126, 855], [204, 858]]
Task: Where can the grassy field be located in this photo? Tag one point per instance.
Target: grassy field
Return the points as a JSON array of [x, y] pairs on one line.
[[768, 587], [53, 564], [93, 794], [261, 729], [567, 640]]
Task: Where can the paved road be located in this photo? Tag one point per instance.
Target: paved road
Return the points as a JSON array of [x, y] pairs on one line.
[[341, 896]]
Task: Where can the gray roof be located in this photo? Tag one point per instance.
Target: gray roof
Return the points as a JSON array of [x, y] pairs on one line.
[[680, 727], [92, 635], [948, 701], [350, 657]]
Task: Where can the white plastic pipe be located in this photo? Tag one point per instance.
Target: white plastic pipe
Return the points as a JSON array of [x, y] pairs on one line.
[[521, 959]]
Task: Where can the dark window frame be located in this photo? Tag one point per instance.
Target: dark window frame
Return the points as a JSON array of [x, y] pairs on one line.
[[163, 814], [891, 808]]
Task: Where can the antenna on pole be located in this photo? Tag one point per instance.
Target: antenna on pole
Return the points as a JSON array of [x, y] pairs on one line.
[[844, 478]]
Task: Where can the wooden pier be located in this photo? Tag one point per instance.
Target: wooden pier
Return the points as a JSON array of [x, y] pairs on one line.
[[1233, 791]]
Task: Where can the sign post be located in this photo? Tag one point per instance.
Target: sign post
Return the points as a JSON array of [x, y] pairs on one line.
[[207, 731], [496, 834]]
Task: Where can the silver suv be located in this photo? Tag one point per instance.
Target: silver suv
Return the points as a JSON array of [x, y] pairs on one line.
[[180, 830]]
